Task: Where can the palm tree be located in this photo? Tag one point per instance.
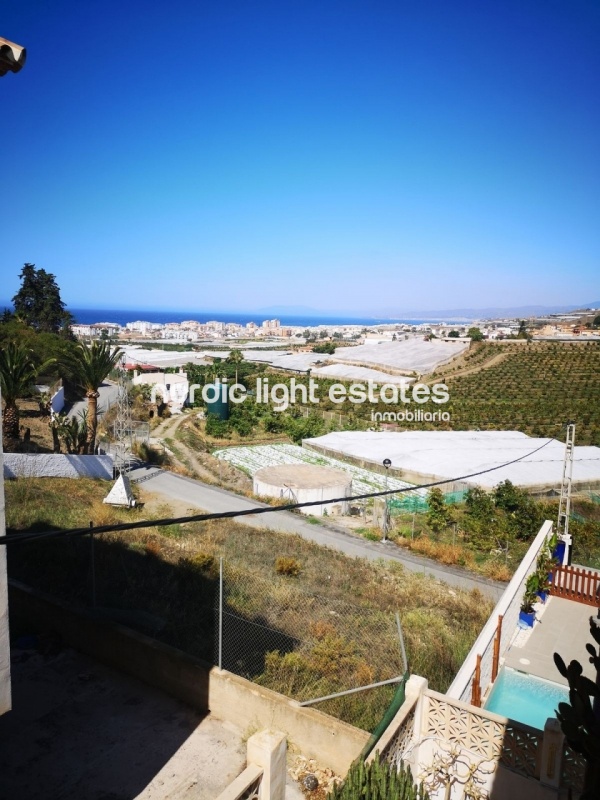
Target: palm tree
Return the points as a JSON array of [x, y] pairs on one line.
[[88, 366], [235, 356], [17, 373]]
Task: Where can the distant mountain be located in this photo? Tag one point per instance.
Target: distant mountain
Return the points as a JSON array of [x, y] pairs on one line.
[[488, 313]]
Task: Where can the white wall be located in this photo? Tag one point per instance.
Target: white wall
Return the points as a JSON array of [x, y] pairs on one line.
[[50, 465], [508, 607], [295, 495]]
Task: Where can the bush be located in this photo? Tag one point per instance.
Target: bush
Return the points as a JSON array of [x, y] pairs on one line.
[[149, 454], [287, 566], [200, 562]]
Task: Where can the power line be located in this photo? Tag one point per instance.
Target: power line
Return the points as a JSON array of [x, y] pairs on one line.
[[128, 526]]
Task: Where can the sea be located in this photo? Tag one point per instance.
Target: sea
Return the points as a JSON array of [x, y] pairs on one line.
[[88, 316]]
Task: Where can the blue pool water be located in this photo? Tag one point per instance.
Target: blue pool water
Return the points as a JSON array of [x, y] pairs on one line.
[[525, 698]]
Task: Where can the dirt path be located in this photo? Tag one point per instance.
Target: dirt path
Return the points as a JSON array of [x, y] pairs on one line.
[[470, 370], [197, 465]]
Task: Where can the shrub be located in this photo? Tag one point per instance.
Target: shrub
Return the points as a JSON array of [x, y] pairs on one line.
[[149, 454], [200, 562], [287, 566]]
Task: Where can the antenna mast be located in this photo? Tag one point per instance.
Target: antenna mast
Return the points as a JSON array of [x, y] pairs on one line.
[[564, 506], [123, 427]]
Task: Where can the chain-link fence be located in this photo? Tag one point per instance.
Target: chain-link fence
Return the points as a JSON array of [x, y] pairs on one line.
[[265, 629], [303, 645]]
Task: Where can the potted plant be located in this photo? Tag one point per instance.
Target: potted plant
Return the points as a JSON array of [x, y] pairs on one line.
[[556, 547], [527, 613], [543, 574]]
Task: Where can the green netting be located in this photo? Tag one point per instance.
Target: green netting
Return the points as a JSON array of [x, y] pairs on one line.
[[413, 504], [416, 504], [455, 497]]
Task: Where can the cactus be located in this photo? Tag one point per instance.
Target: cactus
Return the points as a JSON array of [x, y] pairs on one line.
[[378, 780], [580, 718]]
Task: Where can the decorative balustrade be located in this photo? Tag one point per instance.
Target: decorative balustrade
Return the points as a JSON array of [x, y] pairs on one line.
[[483, 734], [394, 752]]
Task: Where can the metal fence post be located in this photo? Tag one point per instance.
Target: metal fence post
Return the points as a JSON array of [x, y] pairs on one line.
[[221, 613], [402, 647], [93, 565]]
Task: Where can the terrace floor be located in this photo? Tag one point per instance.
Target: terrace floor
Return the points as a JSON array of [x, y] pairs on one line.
[[562, 626], [81, 730]]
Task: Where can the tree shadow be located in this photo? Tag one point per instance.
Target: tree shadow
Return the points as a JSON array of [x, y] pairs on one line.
[[176, 602]]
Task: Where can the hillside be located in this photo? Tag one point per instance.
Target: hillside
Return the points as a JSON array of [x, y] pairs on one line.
[[533, 388]]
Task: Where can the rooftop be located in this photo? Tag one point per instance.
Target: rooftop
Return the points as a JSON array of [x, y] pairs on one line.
[[448, 454]]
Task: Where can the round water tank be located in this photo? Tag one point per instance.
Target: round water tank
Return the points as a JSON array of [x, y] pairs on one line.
[[302, 483]]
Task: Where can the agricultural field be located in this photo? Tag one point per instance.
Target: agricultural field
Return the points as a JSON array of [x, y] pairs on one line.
[[534, 388], [251, 459]]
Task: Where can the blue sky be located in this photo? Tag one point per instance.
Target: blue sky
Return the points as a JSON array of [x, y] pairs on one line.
[[348, 156]]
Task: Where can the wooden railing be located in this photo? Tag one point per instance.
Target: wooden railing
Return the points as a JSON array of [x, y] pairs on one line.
[[576, 583]]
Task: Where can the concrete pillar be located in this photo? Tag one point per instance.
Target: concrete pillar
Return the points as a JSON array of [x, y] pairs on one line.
[[267, 749], [416, 687], [552, 751]]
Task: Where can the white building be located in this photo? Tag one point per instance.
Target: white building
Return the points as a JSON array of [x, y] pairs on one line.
[[171, 388]]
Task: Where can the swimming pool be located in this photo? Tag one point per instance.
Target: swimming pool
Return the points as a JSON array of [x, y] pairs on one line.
[[525, 698]]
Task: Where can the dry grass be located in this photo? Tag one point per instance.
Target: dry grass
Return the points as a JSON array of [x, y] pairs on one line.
[[171, 574]]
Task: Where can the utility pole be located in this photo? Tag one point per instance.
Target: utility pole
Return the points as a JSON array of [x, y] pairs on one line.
[[386, 512], [564, 506]]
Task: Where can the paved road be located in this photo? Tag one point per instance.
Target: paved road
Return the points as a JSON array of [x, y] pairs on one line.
[[108, 396], [214, 500]]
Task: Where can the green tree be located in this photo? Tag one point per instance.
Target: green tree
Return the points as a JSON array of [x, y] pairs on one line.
[[437, 515], [522, 333], [454, 334], [325, 347], [235, 356], [219, 428], [38, 302], [88, 367], [17, 374], [475, 334], [480, 520]]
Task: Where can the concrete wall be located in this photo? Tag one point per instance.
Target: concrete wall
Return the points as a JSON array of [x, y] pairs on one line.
[[5, 699], [51, 465], [262, 488], [250, 707]]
